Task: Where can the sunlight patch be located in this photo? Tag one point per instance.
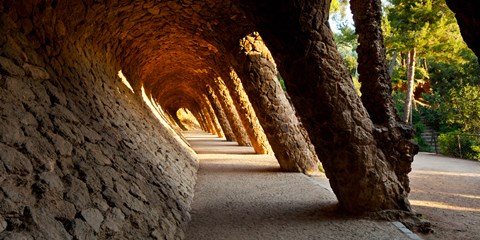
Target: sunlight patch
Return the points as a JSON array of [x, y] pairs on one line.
[[455, 174], [124, 80], [441, 205]]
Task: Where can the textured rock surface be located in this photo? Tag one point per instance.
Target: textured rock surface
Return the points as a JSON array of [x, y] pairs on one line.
[[220, 113], [247, 115], [338, 124], [391, 134], [230, 112], [80, 156], [76, 142], [292, 149]]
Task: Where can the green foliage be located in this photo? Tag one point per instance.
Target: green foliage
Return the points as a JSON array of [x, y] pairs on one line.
[[460, 145], [464, 108], [429, 27], [453, 106], [419, 129], [346, 41], [435, 115], [357, 84], [420, 24], [338, 9], [346, 37], [351, 64], [399, 102], [455, 74], [422, 144], [419, 126], [399, 75], [282, 82]]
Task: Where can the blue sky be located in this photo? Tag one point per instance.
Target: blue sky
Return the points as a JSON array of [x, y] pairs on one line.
[[348, 20]]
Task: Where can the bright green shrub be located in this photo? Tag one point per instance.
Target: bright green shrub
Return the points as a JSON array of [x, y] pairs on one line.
[[460, 145]]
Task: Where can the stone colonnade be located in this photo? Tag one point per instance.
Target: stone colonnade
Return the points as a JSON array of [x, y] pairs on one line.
[[61, 74]]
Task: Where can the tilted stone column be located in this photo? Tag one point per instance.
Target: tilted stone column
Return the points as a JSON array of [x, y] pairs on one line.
[[211, 118], [321, 87], [203, 121], [393, 136], [292, 149], [173, 116], [222, 119], [230, 112], [197, 114], [209, 124], [247, 115]]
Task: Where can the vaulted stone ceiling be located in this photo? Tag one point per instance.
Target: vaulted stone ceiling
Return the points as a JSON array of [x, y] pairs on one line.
[[177, 51], [153, 42], [166, 46], [60, 92]]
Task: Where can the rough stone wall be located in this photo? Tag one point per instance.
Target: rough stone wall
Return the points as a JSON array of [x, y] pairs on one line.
[[80, 155]]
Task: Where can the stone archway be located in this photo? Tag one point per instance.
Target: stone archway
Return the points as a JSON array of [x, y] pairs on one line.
[[82, 154]]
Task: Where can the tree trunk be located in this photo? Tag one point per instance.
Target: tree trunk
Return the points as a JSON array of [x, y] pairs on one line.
[[392, 64], [425, 65], [410, 86]]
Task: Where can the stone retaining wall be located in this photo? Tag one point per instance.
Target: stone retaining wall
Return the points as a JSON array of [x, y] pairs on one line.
[[81, 156]]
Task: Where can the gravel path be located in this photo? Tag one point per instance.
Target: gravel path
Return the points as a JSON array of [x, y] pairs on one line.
[[447, 192], [241, 195]]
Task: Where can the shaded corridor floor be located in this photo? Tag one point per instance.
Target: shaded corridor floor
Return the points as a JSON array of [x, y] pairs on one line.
[[241, 195]]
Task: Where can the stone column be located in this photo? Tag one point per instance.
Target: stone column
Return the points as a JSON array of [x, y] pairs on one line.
[[230, 112], [292, 149], [198, 117], [392, 135], [169, 119], [211, 118], [320, 86], [208, 123], [201, 119], [247, 115], [222, 119], [173, 116]]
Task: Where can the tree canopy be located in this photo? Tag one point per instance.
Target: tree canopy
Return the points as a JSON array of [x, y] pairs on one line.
[[429, 60]]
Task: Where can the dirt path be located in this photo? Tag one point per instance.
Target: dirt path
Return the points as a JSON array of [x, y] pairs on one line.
[[447, 192], [240, 195]]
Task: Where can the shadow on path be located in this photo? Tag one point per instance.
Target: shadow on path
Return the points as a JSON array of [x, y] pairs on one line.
[[241, 195]]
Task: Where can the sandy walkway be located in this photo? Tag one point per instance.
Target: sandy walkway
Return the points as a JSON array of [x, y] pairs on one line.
[[447, 192], [240, 195]]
